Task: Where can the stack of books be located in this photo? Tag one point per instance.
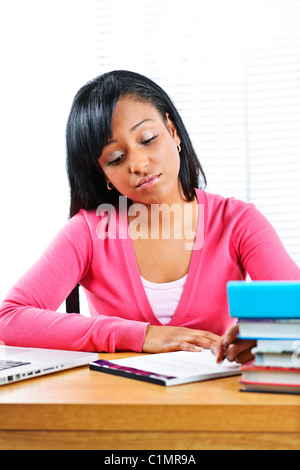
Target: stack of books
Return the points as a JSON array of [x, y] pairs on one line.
[[269, 312]]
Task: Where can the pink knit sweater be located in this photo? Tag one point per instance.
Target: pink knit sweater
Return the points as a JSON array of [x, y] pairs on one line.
[[238, 240]]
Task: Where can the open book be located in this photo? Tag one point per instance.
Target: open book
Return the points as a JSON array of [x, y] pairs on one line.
[[167, 369]]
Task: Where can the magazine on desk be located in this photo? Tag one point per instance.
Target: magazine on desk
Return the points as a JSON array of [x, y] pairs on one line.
[[173, 368]]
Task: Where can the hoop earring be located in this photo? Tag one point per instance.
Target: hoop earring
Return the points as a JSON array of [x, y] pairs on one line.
[[179, 148], [109, 185]]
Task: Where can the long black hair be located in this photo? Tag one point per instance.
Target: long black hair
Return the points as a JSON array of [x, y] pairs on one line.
[[89, 129]]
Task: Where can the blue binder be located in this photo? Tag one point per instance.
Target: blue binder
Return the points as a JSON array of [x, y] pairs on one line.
[[264, 299]]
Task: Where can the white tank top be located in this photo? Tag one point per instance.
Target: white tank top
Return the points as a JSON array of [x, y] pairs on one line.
[[164, 297]]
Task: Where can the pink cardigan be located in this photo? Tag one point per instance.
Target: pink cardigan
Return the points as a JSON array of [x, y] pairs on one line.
[[238, 240]]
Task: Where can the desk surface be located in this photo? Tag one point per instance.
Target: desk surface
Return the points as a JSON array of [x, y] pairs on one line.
[[86, 409]]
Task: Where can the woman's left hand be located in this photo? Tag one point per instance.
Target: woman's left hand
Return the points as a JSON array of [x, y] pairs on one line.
[[233, 348]]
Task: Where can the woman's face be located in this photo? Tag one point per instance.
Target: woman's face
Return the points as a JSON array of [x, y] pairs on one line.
[[141, 160]]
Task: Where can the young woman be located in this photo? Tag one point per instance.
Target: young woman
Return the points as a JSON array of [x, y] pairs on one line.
[[152, 249]]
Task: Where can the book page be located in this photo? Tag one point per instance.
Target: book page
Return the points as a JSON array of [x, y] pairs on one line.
[[178, 364]]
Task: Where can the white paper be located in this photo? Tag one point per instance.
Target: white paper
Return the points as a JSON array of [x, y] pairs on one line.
[[178, 364]]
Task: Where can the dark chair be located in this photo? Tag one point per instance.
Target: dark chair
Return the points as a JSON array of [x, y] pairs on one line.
[[72, 301]]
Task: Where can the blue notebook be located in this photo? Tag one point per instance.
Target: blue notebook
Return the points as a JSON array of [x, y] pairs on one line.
[[264, 299]]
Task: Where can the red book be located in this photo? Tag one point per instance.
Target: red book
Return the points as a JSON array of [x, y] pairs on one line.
[[270, 375]]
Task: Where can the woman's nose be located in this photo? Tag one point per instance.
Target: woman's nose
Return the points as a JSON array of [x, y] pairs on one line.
[[138, 162]]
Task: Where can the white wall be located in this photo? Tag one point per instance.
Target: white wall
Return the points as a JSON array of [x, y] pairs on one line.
[[46, 56]]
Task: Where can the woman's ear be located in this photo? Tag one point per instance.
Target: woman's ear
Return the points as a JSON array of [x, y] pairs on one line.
[[172, 129]]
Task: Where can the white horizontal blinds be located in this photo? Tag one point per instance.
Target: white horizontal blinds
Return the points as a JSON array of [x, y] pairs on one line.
[[218, 128], [232, 69], [273, 119]]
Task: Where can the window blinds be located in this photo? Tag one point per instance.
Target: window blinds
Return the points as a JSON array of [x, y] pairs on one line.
[[232, 67]]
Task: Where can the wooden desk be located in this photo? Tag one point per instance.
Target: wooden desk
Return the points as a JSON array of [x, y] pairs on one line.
[[83, 409]]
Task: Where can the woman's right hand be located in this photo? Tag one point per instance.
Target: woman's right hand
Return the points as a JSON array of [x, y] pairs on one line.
[[159, 339]]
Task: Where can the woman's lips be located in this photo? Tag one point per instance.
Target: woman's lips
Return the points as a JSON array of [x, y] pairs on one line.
[[148, 181]]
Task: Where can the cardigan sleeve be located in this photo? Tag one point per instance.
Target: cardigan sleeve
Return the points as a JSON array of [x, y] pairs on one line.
[[28, 314], [260, 249]]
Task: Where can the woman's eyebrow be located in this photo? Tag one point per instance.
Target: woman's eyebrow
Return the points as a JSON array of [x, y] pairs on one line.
[[139, 123], [109, 143]]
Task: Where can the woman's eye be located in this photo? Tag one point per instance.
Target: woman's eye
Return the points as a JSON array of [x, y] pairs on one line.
[[116, 160], [148, 141]]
